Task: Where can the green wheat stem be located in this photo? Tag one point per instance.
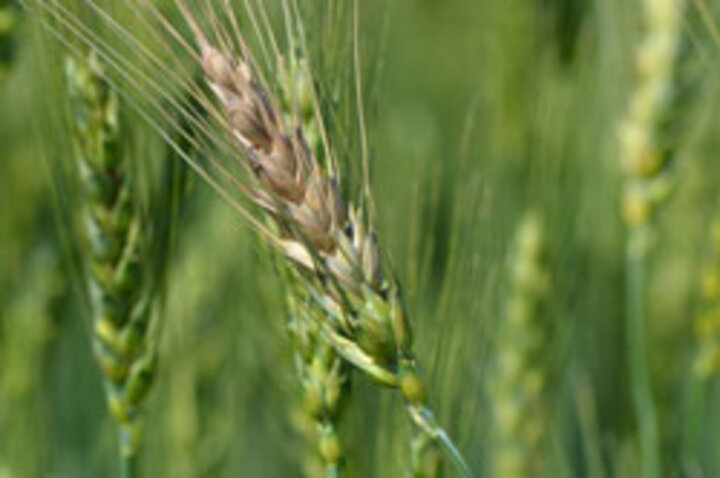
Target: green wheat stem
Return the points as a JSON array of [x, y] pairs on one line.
[[636, 257], [128, 456]]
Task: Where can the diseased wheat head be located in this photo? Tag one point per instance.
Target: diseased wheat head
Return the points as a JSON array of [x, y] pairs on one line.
[[322, 373], [332, 245]]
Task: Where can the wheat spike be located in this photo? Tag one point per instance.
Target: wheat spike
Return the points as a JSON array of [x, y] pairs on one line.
[[114, 250], [330, 243], [521, 378], [647, 143]]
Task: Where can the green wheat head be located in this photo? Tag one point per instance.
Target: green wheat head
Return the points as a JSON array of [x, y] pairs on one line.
[[114, 250]]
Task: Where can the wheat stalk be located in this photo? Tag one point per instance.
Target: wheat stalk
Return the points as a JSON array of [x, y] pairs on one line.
[[331, 246], [114, 252], [520, 381]]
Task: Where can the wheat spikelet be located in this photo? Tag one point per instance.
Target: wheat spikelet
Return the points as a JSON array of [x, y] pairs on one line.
[[521, 377], [114, 252]]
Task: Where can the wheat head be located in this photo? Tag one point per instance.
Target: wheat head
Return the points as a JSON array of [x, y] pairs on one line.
[[520, 382], [114, 251], [331, 245]]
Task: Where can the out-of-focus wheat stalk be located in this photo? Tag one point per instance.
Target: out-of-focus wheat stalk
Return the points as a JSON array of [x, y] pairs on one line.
[[520, 382], [647, 150], [113, 245], [198, 436]]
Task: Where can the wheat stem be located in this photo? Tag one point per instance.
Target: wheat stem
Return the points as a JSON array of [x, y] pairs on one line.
[[635, 323], [127, 454]]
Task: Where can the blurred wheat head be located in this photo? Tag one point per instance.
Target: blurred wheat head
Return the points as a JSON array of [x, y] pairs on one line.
[[521, 380]]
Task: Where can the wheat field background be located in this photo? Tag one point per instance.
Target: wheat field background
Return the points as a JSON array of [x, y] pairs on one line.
[[479, 113]]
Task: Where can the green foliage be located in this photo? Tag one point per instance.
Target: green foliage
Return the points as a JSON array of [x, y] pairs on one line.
[[9, 19]]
